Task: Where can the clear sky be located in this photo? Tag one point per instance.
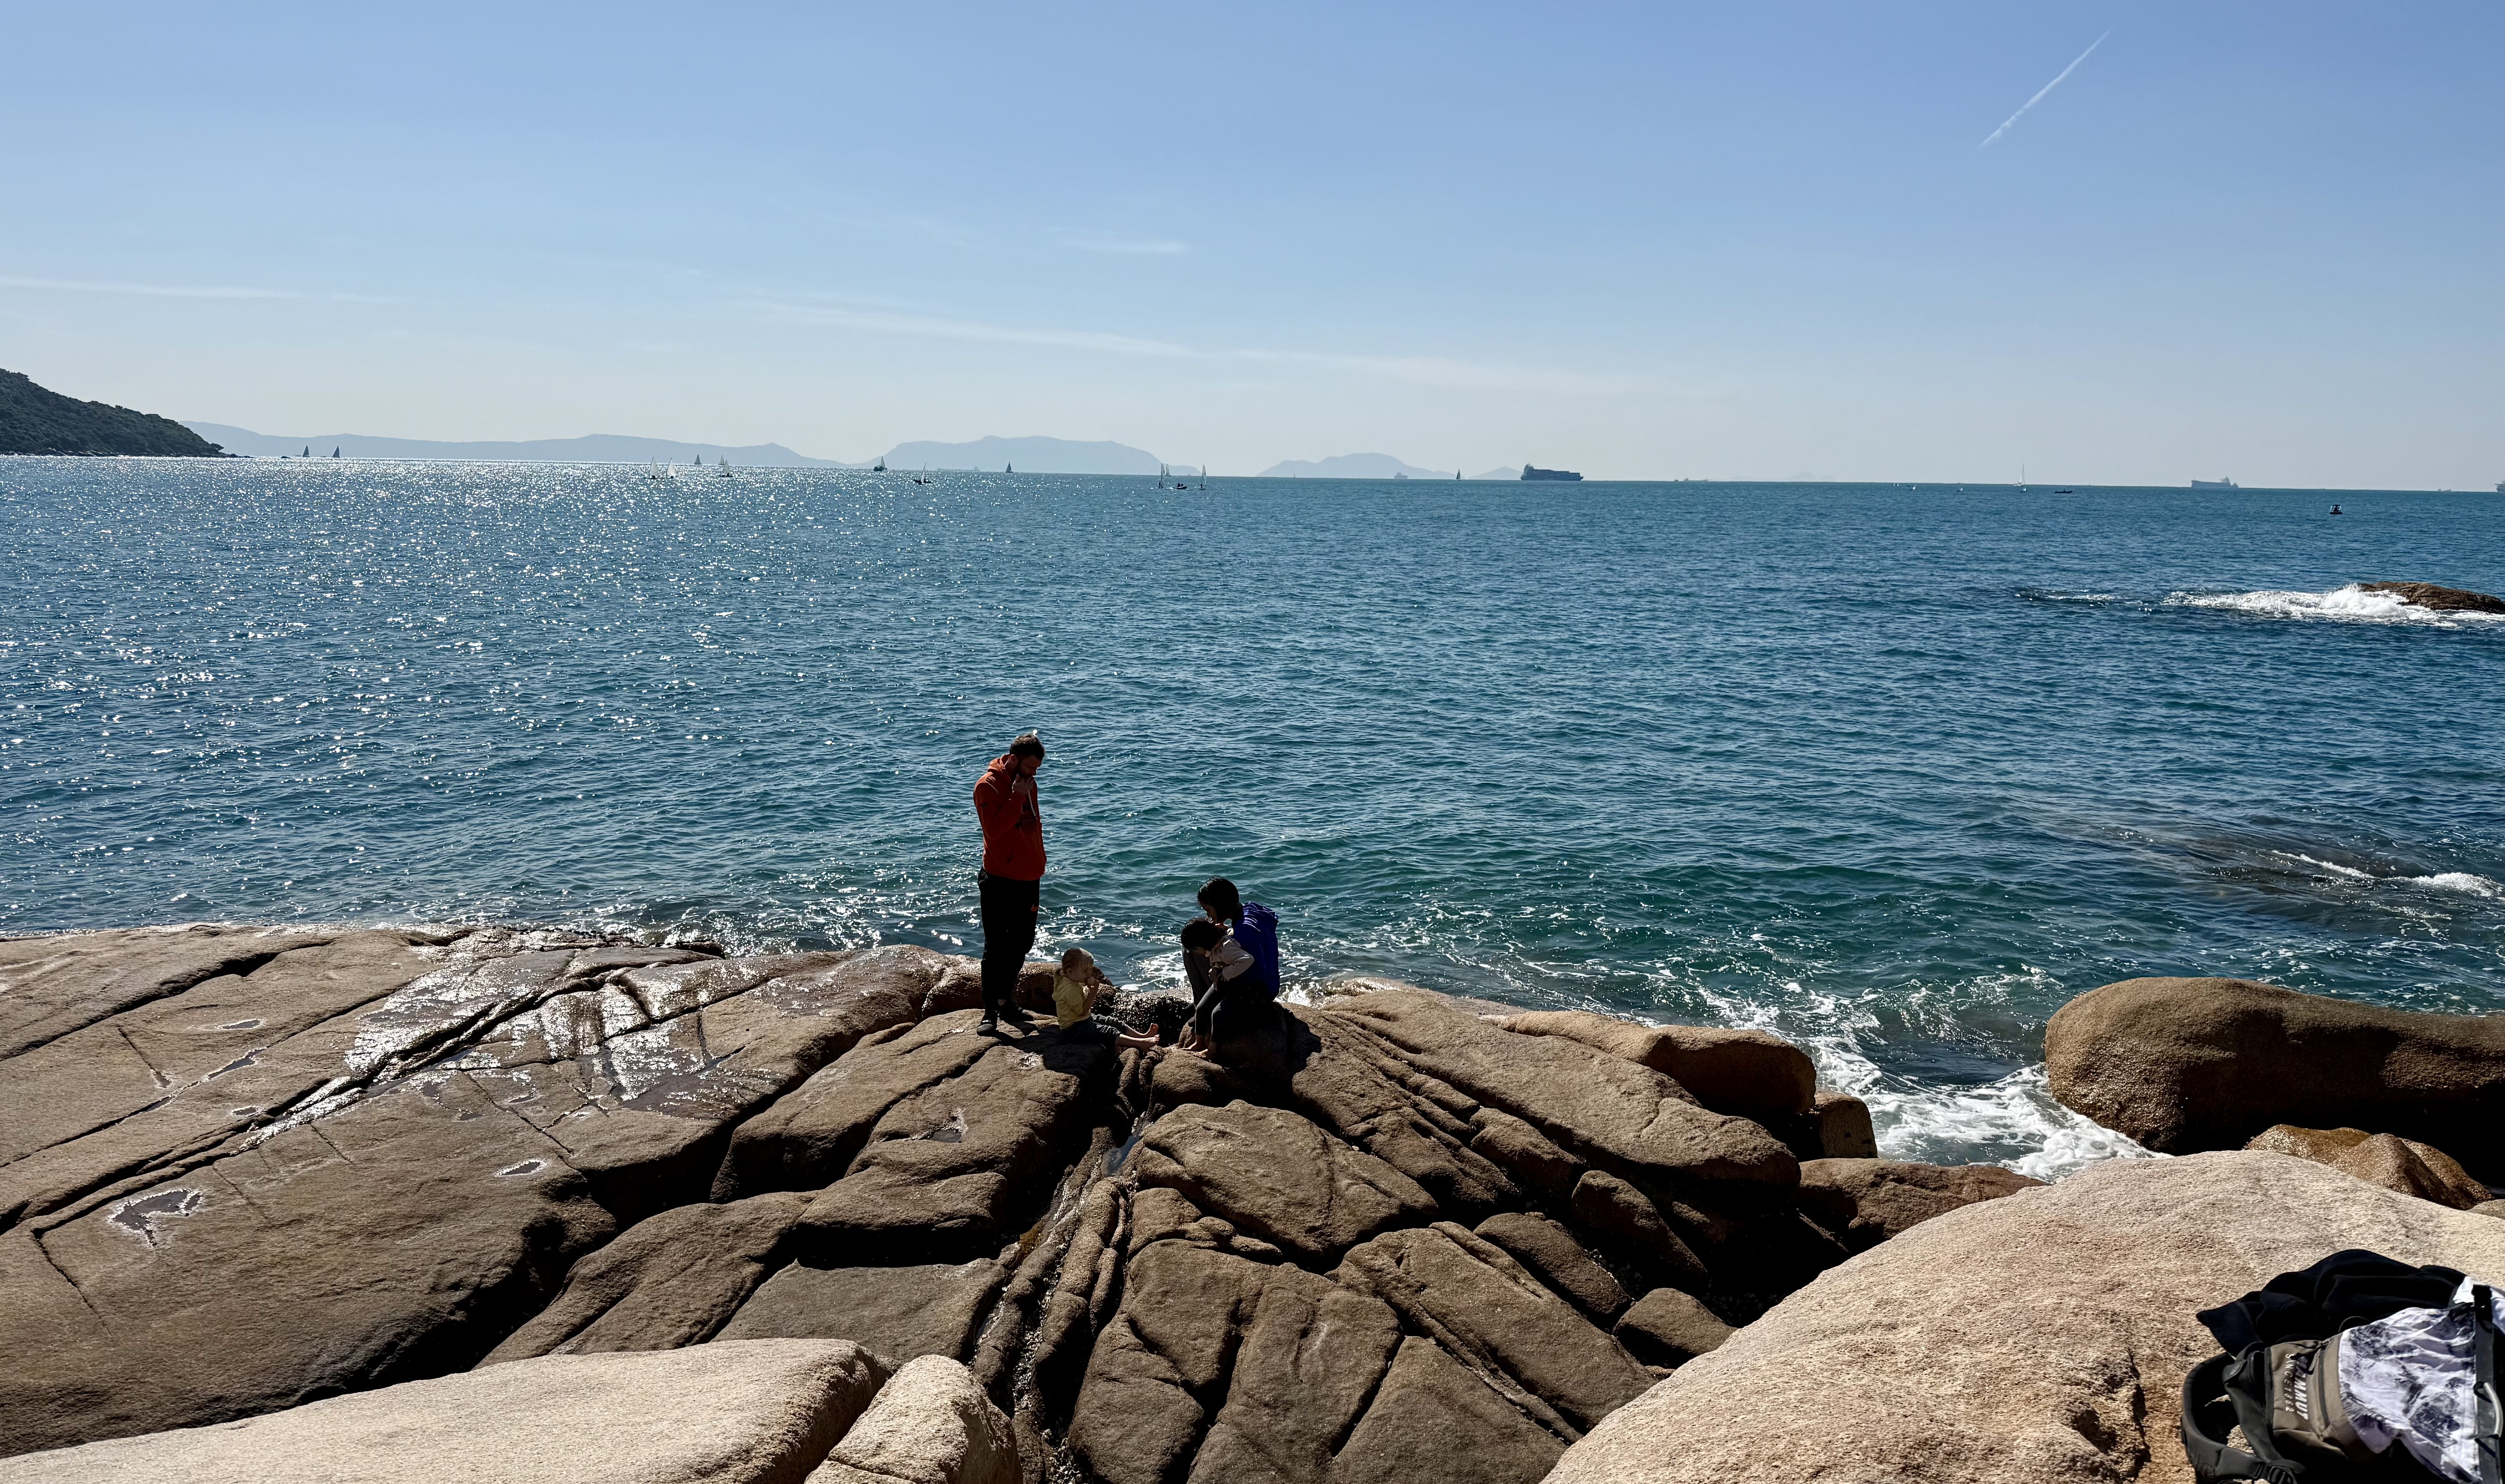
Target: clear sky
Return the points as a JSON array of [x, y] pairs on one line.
[[2251, 237]]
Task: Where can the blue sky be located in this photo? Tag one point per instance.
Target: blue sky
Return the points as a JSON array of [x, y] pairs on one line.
[[2257, 239]]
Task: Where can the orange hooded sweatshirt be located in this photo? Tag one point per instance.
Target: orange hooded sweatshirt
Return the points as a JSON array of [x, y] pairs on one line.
[[1012, 827]]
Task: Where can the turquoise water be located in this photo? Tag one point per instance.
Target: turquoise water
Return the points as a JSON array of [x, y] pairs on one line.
[[1894, 771]]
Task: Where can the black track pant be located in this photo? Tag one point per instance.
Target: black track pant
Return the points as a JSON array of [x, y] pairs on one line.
[[1009, 934]]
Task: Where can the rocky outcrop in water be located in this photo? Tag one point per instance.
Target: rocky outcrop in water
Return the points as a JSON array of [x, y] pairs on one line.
[[35, 420], [2440, 599], [249, 1169], [2035, 1339], [2184, 1065]]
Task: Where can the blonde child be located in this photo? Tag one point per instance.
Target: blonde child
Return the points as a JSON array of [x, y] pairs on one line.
[[1077, 988]]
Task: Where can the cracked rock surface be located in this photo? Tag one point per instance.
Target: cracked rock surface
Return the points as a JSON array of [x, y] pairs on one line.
[[1386, 1237]]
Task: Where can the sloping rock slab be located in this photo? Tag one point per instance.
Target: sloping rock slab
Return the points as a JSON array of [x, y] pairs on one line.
[[1276, 1176], [2040, 1337], [760, 1413], [1752, 1074], [2184, 1065], [900, 1313], [673, 1280]]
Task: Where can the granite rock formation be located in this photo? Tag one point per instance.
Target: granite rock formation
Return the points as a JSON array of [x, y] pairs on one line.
[[2440, 599], [2379, 1159], [1383, 1237], [2042, 1338], [2185, 1065]]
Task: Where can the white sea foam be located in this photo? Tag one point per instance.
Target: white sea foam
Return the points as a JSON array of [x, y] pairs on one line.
[[2437, 881], [2015, 1122], [2351, 604]]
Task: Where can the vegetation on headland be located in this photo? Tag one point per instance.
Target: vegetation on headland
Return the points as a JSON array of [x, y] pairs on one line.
[[34, 420]]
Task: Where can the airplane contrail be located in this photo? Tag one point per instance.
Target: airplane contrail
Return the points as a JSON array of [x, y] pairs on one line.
[[2039, 95]]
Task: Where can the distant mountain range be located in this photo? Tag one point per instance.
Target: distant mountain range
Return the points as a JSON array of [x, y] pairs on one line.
[[36, 420], [1032, 455], [598, 448], [1353, 465]]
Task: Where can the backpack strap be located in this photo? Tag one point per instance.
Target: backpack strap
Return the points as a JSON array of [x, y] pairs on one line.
[[2488, 1412], [2210, 1414]]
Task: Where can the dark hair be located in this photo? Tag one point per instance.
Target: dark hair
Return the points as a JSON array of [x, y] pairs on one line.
[[1027, 744], [1201, 932], [1221, 896]]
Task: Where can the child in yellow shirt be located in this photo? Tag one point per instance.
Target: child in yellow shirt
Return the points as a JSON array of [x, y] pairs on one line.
[[1077, 988]]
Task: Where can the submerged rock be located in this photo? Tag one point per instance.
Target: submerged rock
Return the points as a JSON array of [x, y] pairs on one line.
[[2184, 1065], [2440, 599], [2043, 1336]]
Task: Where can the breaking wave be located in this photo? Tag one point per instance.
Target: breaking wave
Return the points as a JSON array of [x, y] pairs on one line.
[[2351, 604]]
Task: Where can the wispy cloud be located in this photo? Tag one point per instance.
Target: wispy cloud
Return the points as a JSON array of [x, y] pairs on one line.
[[146, 289], [1416, 371], [2039, 93], [1142, 247]]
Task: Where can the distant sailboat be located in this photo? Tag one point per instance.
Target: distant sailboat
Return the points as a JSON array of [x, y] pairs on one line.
[[334, 453], [722, 466], [308, 451]]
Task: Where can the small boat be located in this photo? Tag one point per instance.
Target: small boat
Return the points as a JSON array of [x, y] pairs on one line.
[[308, 453], [335, 453], [722, 466], [2215, 485], [879, 468], [1009, 469], [2065, 491]]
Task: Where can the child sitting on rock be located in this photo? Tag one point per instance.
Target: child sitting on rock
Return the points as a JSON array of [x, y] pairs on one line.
[[1076, 989], [1223, 972]]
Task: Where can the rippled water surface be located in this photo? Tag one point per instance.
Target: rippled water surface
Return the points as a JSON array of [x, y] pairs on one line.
[[1894, 771]]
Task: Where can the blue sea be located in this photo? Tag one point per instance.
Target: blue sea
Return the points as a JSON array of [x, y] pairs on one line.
[[1892, 770]]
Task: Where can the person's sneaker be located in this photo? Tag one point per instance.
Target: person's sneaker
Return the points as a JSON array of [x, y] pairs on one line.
[[1016, 1015], [987, 1026]]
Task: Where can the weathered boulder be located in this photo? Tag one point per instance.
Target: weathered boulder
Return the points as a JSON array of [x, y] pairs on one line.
[[1434, 1419], [1270, 1173], [2040, 1337], [672, 1280], [2378, 1159], [1754, 1073], [2440, 599], [946, 1167], [1622, 1218], [931, 1424], [898, 1312], [1550, 1254], [2184, 1065], [1841, 1127], [760, 1413], [1603, 1109], [1865, 1202], [1488, 1312], [1669, 1327]]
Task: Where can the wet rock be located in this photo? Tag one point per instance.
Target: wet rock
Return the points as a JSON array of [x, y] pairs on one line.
[[1488, 1312], [1751, 1073], [2034, 1339], [719, 1414], [931, 1424], [1603, 1109], [1841, 1126], [1433, 1419], [1622, 1218], [2184, 1065], [1669, 1327], [898, 1314], [2378, 1159], [1274, 1174], [1550, 1254], [2440, 599], [946, 1167], [1865, 1202], [673, 1280]]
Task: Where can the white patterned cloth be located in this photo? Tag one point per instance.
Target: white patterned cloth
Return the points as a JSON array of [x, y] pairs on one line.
[[2410, 1377]]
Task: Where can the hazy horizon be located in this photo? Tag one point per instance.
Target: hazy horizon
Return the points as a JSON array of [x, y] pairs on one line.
[[1808, 241]]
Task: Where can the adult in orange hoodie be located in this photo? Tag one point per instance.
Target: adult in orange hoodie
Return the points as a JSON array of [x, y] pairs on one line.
[[1013, 875]]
